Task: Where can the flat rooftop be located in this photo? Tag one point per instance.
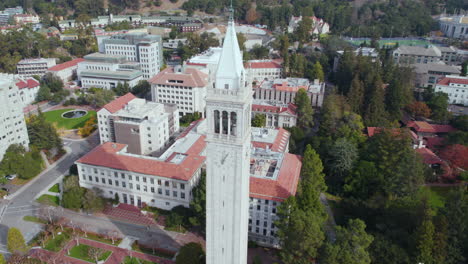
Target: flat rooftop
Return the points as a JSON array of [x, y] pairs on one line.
[[210, 56], [140, 108]]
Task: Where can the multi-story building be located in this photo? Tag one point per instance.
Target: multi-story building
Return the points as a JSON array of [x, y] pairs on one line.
[[146, 127], [28, 89], [417, 54], [6, 14], [277, 115], [26, 19], [264, 70], [454, 26], [208, 60], [13, 126], [319, 26], [163, 182], [65, 71], [137, 47], [183, 86], [427, 75], [31, 67], [372, 53], [456, 87], [190, 27], [107, 71], [283, 91], [449, 55]]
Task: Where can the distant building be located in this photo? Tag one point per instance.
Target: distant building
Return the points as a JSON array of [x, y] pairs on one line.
[[190, 27], [417, 54], [277, 115], [206, 60], [283, 91], [13, 127], [363, 51], [456, 87], [26, 19], [145, 127], [449, 55], [66, 70], [107, 71], [183, 86], [427, 75], [6, 14], [264, 70], [138, 47], [174, 43], [31, 67], [454, 26], [319, 26]]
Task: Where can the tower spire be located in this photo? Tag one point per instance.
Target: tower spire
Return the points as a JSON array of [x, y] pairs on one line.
[[231, 13]]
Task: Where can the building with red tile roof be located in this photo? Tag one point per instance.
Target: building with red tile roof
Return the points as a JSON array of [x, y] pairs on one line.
[[426, 129], [429, 157], [66, 70], [277, 115], [167, 85], [261, 70], [456, 87], [28, 89], [119, 103]]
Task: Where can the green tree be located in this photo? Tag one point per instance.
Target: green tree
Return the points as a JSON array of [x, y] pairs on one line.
[[356, 95], [304, 109], [191, 253], [350, 246], [198, 203], [42, 134], [259, 52], [15, 241], [464, 68], [2, 259], [142, 88], [92, 201], [72, 193], [43, 94], [424, 240], [375, 114], [52, 81], [317, 71], [259, 120], [439, 104], [341, 157]]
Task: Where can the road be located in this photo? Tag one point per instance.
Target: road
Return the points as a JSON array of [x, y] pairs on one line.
[[23, 203]]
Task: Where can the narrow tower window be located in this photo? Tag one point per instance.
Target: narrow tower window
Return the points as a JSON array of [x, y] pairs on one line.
[[216, 121], [225, 122], [233, 123]]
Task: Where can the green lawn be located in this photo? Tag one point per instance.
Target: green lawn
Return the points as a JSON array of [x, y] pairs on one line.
[[34, 219], [49, 199], [57, 243], [95, 237], [129, 260], [55, 188], [67, 123], [82, 252]]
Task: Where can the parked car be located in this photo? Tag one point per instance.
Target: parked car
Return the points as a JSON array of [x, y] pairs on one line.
[[10, 177]]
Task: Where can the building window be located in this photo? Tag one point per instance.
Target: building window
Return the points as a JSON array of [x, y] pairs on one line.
[[90, 178], [182, 195], [159, 182], [124, 185], [159, 191], [152, 189], [138, 187], [109, 181], [116, 183], [166, 183], [167, 193], [182, 186]]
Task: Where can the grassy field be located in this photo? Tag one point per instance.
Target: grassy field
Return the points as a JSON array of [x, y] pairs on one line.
[[82, 252], [95, 237], [55, 188], [49, 199], [34, 219], [393, 42], [57, 243], [67, 123]]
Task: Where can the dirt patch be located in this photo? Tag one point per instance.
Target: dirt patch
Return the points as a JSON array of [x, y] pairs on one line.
[[166, 6]]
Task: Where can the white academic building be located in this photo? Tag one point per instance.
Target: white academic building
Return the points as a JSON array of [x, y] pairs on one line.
[[136, 47], [66, 70], [264, 70], [107, 71], [31, 67], [454, 26], [276, 115], [183, 86], [13, 126], [28, 89], [456, 87], [146, 127]]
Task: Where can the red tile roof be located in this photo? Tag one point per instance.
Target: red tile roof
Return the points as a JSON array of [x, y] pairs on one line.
[[190, 78], [291, 109], [432, 142], [428, 156], [281, 188], [448, 81], [106, 155], [278, 145], [28, 83], [65, 65], [424, 127], [119, 103], [270, 64]]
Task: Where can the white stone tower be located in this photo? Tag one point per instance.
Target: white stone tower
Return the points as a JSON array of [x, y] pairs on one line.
[[228, 106]]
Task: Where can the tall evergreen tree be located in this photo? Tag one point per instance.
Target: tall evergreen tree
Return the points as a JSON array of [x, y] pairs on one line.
[[304, 109], [375, 112], [356, 95], [344, 74], [424, 239], [317, 72]]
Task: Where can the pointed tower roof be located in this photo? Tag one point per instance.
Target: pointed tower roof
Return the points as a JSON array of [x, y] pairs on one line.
[[230, 66]]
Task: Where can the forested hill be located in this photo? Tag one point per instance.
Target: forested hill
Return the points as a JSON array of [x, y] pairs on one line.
[[356, 18]]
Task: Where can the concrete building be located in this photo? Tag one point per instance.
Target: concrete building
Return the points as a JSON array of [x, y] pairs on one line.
[[283, 91], [145, 127], [264, 70], [427, 75], [28, 89], [65, 71], [21, 19], [277, 115], [319, 26], [107, 71], [456, 87], [137, 47], [449, 55], [454, 26], [174, 43], [8, 13], [183, 86], [208, 60], [13, 126], [228, 112], [31, 67], [417, 54]]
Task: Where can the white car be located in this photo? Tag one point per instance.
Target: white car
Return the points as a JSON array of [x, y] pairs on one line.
[[10, 177]]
